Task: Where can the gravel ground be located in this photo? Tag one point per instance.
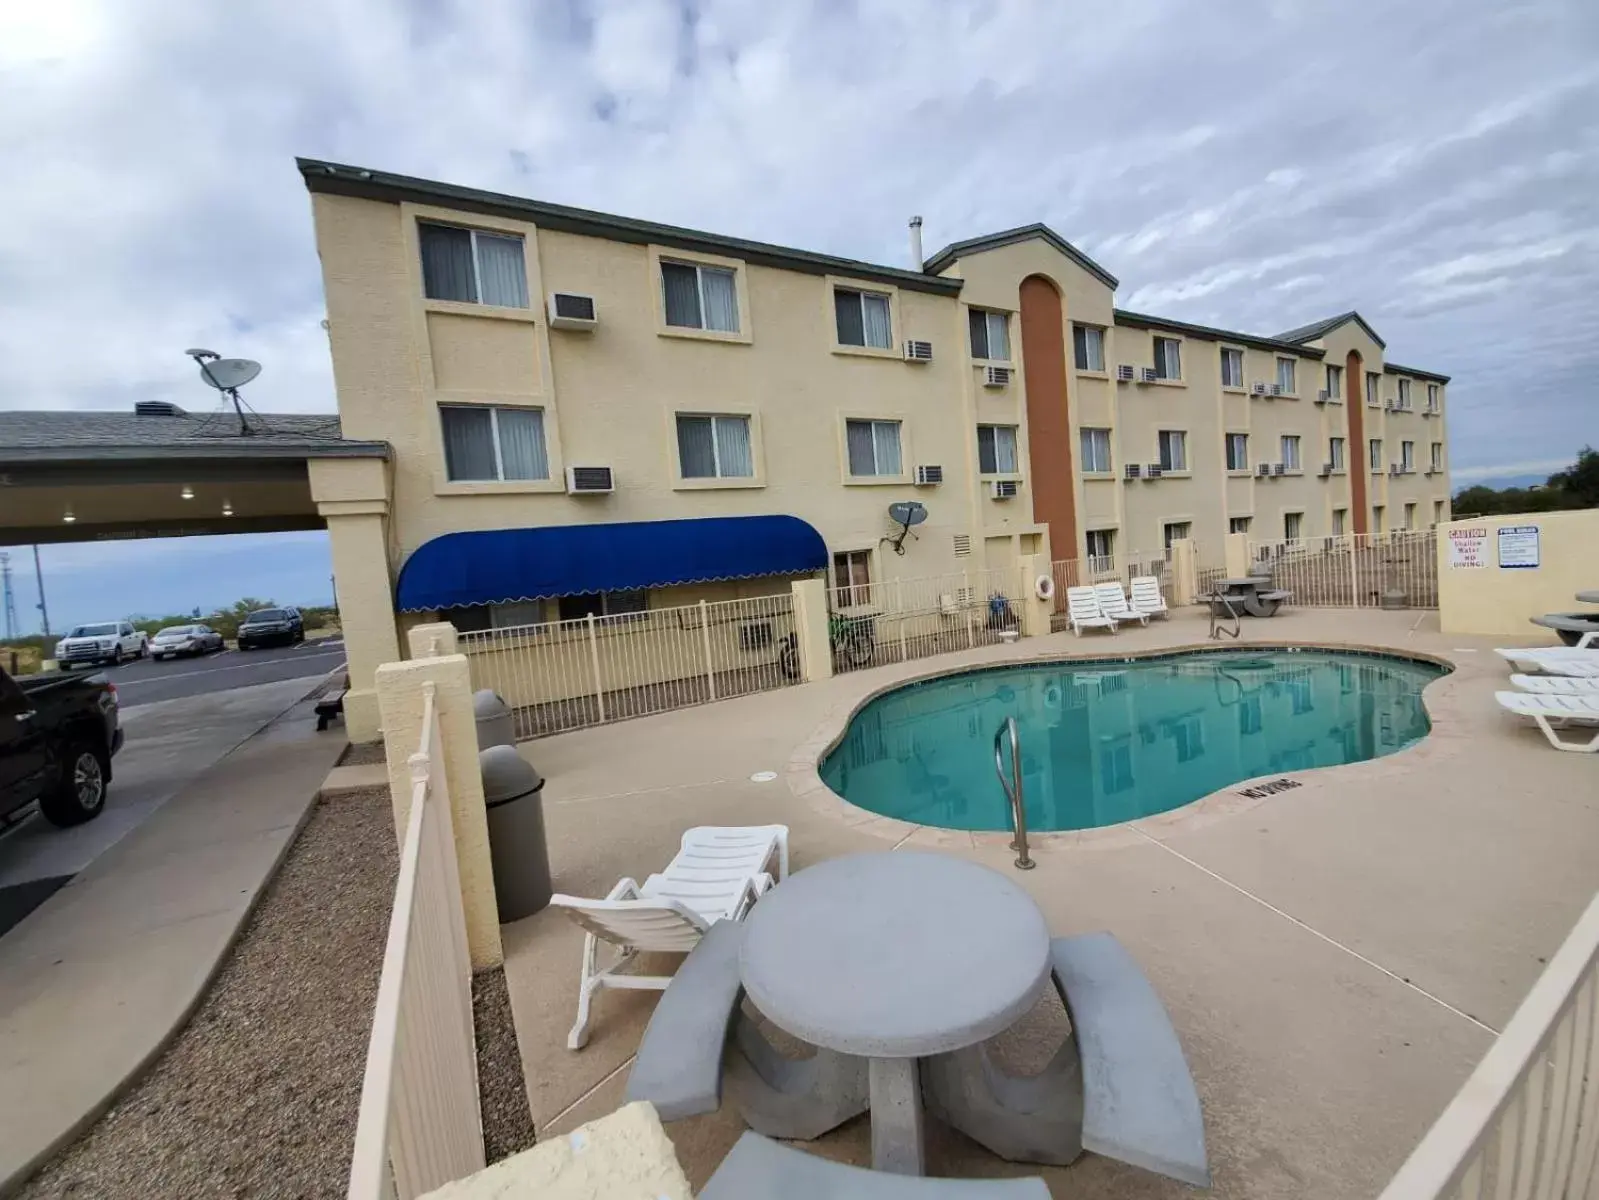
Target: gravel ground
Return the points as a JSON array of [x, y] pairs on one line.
[[507, 1121], [362, 754], [257, 1096]]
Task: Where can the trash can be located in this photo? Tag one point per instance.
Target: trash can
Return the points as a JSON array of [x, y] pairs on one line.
[[517, 849], [495, 724]]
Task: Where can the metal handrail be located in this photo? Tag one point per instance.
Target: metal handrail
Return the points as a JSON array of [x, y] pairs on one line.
[[1216, 627], [1013, 789]]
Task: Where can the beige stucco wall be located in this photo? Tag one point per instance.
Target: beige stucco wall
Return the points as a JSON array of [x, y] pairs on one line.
[[1498, 600]]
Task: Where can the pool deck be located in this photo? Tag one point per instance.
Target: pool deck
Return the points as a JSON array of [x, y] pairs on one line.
[[1335, 957]]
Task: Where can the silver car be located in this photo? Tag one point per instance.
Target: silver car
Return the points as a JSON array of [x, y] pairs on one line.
[[177, 640]]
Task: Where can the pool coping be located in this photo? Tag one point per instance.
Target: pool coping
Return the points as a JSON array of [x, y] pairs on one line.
[[803, 776]]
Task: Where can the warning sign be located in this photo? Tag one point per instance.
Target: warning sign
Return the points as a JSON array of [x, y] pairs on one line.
[[1468, 547]]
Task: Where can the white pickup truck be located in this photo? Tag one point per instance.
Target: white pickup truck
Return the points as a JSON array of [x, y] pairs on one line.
[[103, 642]]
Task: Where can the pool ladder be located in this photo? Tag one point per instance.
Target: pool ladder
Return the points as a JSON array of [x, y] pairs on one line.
[[1011, 782]]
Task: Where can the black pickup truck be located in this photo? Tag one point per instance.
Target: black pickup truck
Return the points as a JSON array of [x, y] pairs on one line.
[[57, 735]]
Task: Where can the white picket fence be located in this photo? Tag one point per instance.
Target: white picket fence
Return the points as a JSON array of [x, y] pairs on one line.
[[1368, 570], [1526, 1124], [897, 620], [419, 1124], [567, 674]]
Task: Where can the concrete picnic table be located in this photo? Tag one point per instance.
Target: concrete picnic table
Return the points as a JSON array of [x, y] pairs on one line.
[[1588, 597], [893, 957], [1253, 594]]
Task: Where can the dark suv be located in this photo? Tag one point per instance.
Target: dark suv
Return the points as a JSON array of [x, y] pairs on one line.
[[268, 625]]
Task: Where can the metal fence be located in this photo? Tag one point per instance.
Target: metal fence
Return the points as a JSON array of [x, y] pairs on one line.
[[1367, 570], [567, 674], [1526, 1124], [1123, 569], [419, 1125], [896, 620]]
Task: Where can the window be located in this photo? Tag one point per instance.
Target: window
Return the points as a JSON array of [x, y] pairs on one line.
[[873, 447], [1340, 520], [1335, 453], [1096, 450], [1404, 394], [482, 444], [714, 447], [1285, 375], [1249, 715], [1293, 525], [1437, 512], [603, 604], [1088, 347], [1335, 383], [1168, 358], [473, 266], [1176, 531], [996, 449], [1373, 383], [480, 617], [1238, 524], [863, 319], [1173, 450], [1410, 516], [1290, 448], [1376, 518], [852, 576], [1101, 548], [990, 334], [700, 297], [1432, 397], [1116, 767], [1407, 456], [1238, 452], [1188, 735], [1375, 449], [1437, 456], [1232, 367]]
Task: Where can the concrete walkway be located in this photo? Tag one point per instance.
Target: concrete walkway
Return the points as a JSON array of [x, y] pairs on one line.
[[96, 981]]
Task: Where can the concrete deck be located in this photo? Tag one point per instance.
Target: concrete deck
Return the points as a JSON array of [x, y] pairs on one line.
[[95, 982], [1335, 958]]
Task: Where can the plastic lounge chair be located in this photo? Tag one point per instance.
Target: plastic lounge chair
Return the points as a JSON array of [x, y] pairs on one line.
[[1558, 685], [1113, 603], [1549, 711], [716, 875], [1552, 660], [1147, 598], [1083, 611]]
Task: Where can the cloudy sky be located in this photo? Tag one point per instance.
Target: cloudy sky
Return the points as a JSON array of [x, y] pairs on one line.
[[1253, 165]]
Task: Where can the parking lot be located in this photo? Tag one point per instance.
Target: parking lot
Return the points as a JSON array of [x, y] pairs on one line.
[[146, 681]]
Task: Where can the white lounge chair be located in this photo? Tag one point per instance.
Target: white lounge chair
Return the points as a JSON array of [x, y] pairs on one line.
[[1147, 598], [1083, 611], [1113, 603], [717, 874], [1552, 660], [1558, 685], [1552, 711]]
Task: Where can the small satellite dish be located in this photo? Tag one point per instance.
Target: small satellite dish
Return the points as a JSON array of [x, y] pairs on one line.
[[225, 374], [905, 513]]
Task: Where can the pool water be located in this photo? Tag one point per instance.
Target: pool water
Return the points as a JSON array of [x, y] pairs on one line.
[[1112, 741]]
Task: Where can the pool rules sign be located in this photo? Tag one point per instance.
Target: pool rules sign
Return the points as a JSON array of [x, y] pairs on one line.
[[1518, 547], [1468, 548]]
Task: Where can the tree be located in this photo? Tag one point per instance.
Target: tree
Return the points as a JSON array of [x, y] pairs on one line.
[[1575, 487], [1580, 481]]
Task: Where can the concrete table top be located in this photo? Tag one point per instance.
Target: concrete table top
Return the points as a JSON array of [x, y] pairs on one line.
[[1588, 597], [895, 955]]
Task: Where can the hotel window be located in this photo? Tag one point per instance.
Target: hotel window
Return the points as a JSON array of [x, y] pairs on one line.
[[604, 604], [1335, 383], [1232, 367], [493, 444], [1373, 390], [1238, 524], [1293, 524], [1375, 451], [1432, 397], [1176, 531], [1410, 516], [479, 617], [1340, 520], [1101, 547], [714, 447], [1096, 450], [990, 334], [1168, 358], [700, 297], [1437, 512], [1404, 394], [1290, 448], [1335, 453], [1238, 452], [1407, 457], [472, 266], [1088, 347], [996, 449], [873, 447], [1377, 515], [1437, 456], [1173, 450], [1285, 375], [864, 319], [852, 576]]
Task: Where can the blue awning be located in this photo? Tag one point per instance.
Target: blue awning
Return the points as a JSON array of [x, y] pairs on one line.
[[503, 566]]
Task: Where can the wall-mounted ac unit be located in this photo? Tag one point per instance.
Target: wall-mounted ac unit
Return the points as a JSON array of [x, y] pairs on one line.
[[586, 481], [996, 377], [1276, 389], [918, 352], [929, 475], [1429, 412], [1391, 405], [1323, 396], [1004, 489], [1326, 470], [1258, 390], [1395, 469], [1148, 375], [1153, 471], [1126, 373], [1279, 468], [570, 310], [1132, 471], [1263, 470]]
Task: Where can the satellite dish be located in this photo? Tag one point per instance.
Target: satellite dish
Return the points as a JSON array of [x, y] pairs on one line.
[[907, 512], [225, 374]]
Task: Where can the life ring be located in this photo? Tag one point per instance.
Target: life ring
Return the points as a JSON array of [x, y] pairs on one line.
[[1044, 585]]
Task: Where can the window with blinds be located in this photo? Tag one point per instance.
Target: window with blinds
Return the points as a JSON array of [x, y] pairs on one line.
[[472, 266], [483, 444]]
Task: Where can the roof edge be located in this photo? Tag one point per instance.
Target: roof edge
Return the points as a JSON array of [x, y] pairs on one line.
[[1318, 329], [1393, 368], [1144, 321], [1010, 237]]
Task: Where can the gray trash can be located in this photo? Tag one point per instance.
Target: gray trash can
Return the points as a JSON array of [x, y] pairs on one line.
[[495, 724], [517, 849]]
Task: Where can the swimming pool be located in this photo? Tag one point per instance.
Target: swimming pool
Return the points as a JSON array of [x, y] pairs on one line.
[[1111, 741]]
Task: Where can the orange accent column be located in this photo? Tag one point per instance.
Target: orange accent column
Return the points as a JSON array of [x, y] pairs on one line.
[[1049, 425], [1359, 456]]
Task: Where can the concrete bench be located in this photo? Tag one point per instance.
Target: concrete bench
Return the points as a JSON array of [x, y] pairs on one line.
[[330, 703], [679, 1063], [760, 1169]]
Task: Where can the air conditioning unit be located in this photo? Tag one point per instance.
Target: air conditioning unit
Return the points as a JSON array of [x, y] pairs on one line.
[[929, 475], [1429, 412], [1323, 396], [1263, 470], [1395, 469], [589, 481], [918, 352], [1259, 389], [1279, 468], [1391, 405], [1132, 471], [1153, 471], [570, 310], [1004, 489], [1430, 471], [1148, 375], [1326, 470], [1126, 373], [1276, 389], [996, 377]]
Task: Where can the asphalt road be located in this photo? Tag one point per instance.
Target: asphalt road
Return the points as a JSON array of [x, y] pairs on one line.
[[146, 681]]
